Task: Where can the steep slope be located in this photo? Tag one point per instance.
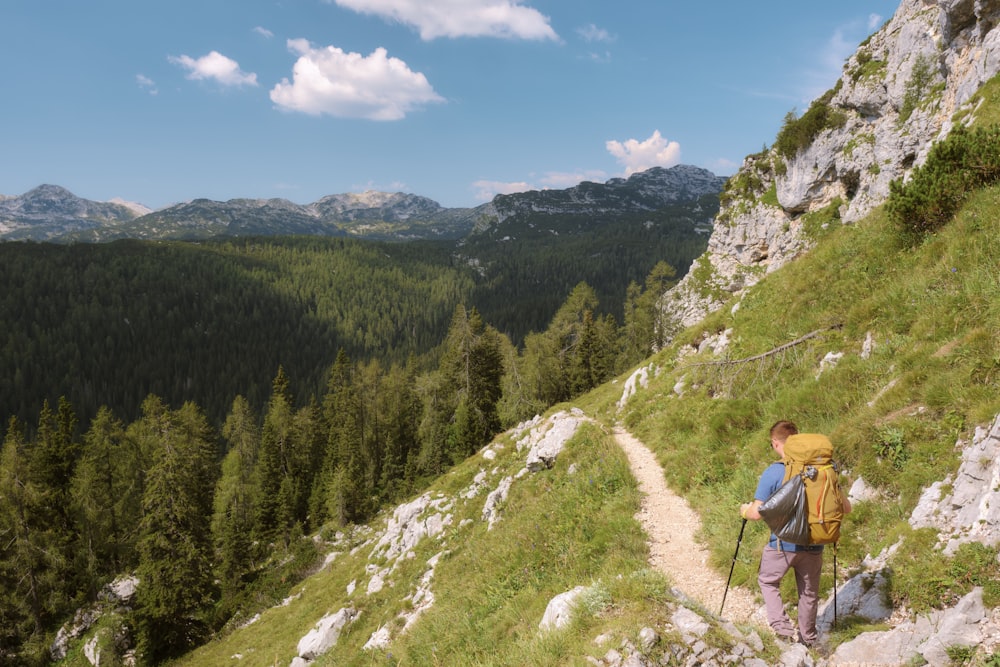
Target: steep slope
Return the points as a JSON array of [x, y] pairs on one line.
[[899, 93], [487, 567], [890, 348]]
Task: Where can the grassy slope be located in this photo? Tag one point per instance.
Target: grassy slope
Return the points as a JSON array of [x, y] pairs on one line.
[[558, 531], [934, 314]]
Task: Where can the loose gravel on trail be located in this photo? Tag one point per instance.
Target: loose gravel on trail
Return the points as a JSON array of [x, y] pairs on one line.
[[671, 525]]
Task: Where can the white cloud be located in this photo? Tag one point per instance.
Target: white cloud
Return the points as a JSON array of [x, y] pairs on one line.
[[591, 33], [215, 66], [264, 32], [638, 155], [487, 190], [460, 18], [349, 85], [146, 84], [874, 21]]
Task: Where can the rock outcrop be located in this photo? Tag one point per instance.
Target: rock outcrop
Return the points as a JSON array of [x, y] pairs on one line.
[[898, 95]]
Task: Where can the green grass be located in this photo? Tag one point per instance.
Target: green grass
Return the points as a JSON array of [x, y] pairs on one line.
[[932, 377], [558, 530]]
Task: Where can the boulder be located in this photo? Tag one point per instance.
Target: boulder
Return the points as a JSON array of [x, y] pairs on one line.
[[924, 640], [325, 634], [865, 595], [491, 508], [545, 449], [560, 609]]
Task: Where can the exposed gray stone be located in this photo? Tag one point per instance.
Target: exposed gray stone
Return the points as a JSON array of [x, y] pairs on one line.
[[865, 595], [325, 634], [956, 41], [560, 609], [971, 510], [688, 622], [410, 523], [545, 449], [926, 638], [861, 492], [648, 638], [491, 511], [638, 379]]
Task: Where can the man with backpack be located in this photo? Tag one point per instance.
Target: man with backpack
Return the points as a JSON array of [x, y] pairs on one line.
[[805, 559]]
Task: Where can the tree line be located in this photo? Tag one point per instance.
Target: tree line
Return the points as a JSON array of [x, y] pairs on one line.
[[205, 515], [109, 324]]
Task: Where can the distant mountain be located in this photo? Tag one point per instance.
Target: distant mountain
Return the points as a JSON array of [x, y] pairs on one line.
[[648, 190], [52, 213], [640, 194]]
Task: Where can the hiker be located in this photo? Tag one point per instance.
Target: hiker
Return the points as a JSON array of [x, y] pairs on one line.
[[780, 556]]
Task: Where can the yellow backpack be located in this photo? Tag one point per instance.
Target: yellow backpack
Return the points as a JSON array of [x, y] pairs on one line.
[[810, 455]]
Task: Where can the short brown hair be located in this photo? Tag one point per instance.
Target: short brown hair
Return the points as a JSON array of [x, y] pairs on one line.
[[782, 429]]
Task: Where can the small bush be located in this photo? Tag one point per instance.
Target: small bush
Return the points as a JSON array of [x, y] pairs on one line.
[[920, 77], [798, 133], [965, 161]]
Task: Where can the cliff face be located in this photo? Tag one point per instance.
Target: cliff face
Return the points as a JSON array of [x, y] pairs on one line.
[[898, 95]]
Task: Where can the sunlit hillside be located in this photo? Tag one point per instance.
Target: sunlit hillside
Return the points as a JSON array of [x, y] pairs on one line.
[[894, 407]]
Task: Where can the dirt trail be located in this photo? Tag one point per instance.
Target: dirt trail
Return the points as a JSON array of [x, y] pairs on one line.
[[671, 525]]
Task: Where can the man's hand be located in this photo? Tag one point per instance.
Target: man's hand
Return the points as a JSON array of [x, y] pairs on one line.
[[749, 510]]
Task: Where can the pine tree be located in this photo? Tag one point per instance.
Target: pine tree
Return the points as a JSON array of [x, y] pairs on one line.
[[401, 407], [107, 498], [235, 497], [175, 546], [54, 454], [32, 564], [274, 508], [471, 367]]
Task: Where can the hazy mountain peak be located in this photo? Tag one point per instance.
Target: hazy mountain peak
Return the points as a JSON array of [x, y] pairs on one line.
[[138, 209]]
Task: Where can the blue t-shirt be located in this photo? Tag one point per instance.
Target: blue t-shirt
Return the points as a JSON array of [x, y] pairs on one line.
[[770, 481]]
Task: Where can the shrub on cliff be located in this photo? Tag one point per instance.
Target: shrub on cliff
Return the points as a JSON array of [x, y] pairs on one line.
[[963, 162]]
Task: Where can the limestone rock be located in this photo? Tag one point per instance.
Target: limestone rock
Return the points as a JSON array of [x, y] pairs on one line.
[[924, 639], [547, 446], [410, 523], [971, 510], [491, 512], [325, 634], [896, 98], [865, 595], [560, 609]]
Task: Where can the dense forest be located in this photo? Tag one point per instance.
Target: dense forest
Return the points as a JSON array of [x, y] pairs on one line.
[[109, 324], [157, 450], [529, 270]]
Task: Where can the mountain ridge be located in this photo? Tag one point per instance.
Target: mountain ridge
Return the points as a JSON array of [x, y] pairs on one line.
[[52, 213]]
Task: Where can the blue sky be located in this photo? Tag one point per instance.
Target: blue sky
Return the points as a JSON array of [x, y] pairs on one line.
[[456, 100]]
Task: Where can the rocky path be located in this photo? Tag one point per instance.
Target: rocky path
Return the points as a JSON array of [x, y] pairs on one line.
[[671, 525]]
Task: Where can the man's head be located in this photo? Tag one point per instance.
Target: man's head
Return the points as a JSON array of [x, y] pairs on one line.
[[779, 433]]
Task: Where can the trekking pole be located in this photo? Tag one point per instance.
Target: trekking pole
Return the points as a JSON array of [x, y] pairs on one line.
[[834, 585], [733, 566]]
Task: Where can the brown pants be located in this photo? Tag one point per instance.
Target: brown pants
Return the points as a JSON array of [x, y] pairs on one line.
[[774, 564]]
